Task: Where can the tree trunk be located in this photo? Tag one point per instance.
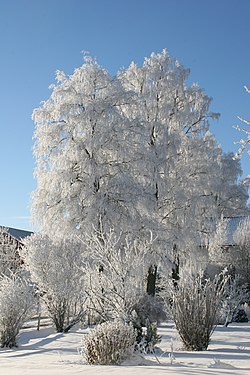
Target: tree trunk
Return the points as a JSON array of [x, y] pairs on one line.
[[151, 280], [176, 271]]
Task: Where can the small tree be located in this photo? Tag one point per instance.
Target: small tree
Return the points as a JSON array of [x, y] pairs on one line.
[[55, 267], [241, 256], [16, 300], [194, 303], [116, 275]]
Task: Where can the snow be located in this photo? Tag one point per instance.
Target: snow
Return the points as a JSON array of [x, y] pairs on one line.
[[46, 352]]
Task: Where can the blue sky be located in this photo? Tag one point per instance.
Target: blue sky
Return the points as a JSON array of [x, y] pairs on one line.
[[37, 37]]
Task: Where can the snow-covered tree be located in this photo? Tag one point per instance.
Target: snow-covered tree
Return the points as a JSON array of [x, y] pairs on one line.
[[16, 291], [218, 254], [116, 272], [244, 142], [131, 152], [232, 192], [229, 246], [16, 300], [174, 170], [55, 268], [83, 155], [241, 256], [117, 148]]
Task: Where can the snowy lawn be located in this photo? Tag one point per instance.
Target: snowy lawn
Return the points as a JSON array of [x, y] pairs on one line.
[[47, 353]]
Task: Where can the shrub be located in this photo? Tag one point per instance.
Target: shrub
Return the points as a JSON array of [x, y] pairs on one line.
[[236, 294], [195, 303], [16, 299], [148, 339], [109, 343], [240, 316]]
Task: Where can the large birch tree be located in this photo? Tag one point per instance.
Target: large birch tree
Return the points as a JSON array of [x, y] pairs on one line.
[[131, 152]]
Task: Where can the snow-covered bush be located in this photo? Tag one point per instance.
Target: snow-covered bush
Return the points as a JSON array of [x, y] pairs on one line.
[[16, 300], [109, 343], [195, 303], [55, 267], [236, 294], [117, 273]]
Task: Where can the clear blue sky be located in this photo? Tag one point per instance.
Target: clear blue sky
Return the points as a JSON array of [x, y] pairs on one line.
[[37, 37]]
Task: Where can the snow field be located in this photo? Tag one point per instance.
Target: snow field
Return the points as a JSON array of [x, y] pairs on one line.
[[45, 352]]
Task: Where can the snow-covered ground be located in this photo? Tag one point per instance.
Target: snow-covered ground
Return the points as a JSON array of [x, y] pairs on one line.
[[45, 352]]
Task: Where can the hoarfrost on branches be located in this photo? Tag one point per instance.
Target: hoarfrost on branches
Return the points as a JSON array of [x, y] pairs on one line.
[[236, 294], [244, 142], [116, 272], [55, 267], [132, 149], [195, 303], [241, 257], [230, 247], [16, 300], [109, 343], [132, 152]]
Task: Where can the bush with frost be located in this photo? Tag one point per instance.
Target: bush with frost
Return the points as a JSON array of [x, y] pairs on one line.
[[109, 343], [16, 300], [195, 303]]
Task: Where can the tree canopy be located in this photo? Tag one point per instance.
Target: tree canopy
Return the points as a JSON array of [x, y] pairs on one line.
[[132, 152]]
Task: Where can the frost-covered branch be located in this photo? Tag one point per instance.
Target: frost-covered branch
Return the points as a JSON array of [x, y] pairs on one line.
[[55, 267], [16, 301], [194, 302], [236, 294], [244, 142], [116, 273]]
